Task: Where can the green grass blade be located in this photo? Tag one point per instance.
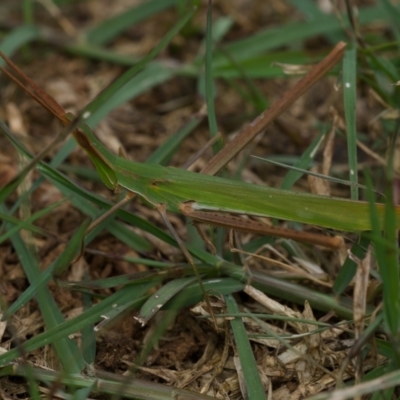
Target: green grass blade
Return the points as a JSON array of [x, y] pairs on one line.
[[64, 152], [349, 100], [33, 384], [251, 375], [112, 384], [349, 267], [259, 66], [312, 12], [297, 293], [94, 52], [15, 182], [17, 38], [255, 95], [133, 240], [384, 70], [18, 225], [110, 28], [84, 393], [27, 11], [116, 228], [62, 330], [387, 258], [309, 8], [109, 316], [221, 27], [210, 91], [126, 235], [304, 162], [163, 154], [88, 333], [154, 74], [293, 32], [192, 294], [138, 277], [392, 15], [66, 348], [125, 80], [56, 267], [69, 188], [303, 171], [159, 298]]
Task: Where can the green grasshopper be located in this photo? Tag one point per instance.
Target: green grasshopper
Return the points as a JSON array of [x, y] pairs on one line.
[[204, 198], [208, 199]]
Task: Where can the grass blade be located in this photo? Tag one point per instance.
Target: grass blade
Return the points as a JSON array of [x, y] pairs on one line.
[[293, 32], [67, 349], [349, 267], [56, 267], [210, 92], [27, 224], [109, 383], [17, 38], [88, 333], [124, 81], [387, 258], [62, 330], [254, 386], [163, 154], [110, 28], [164, 294], [349, 100], [304, 162]]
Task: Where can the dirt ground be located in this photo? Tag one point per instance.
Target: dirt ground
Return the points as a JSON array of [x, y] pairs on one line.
[[190, 351]]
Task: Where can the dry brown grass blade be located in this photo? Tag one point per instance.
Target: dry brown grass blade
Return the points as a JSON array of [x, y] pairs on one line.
[[234, 222], [264, 119], [30, 87]]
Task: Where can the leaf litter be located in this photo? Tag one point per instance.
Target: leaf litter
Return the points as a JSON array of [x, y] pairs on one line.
[[293, 361]]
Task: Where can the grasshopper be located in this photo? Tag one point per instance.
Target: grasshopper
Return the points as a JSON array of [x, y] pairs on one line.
[[205, 198], [210, 199]]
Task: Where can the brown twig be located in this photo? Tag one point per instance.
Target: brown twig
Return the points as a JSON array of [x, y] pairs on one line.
[[264, 119]]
